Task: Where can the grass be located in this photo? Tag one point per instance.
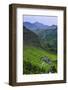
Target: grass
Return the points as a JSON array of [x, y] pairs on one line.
[[32, 63]]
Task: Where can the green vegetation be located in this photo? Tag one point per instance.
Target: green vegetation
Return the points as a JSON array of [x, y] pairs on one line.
[[32, 61], [48, 40], [40, 51]]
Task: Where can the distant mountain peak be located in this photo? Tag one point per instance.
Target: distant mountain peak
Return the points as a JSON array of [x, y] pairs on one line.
[[53, 25], [37, 26], [37, 23]]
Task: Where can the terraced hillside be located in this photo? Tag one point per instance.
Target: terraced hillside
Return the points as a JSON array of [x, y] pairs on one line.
[[37, 59]]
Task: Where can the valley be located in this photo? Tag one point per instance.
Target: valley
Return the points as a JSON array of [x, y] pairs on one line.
[[39, 49]]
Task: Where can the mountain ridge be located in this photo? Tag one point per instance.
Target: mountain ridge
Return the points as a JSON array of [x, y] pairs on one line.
[[47, 38], [36, 26]]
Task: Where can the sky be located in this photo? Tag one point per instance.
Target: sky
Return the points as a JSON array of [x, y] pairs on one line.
[[46, 20]]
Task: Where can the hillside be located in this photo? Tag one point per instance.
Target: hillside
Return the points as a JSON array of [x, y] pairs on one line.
[[47, 37], [35, 26], [30, 37], [40, 49], [33, 63]]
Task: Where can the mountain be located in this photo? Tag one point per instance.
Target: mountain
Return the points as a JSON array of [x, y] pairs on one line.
[[30, 38], [48, 39], [41, 35], [52, 27], [35, 26], [29, 26], [40, 25]]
